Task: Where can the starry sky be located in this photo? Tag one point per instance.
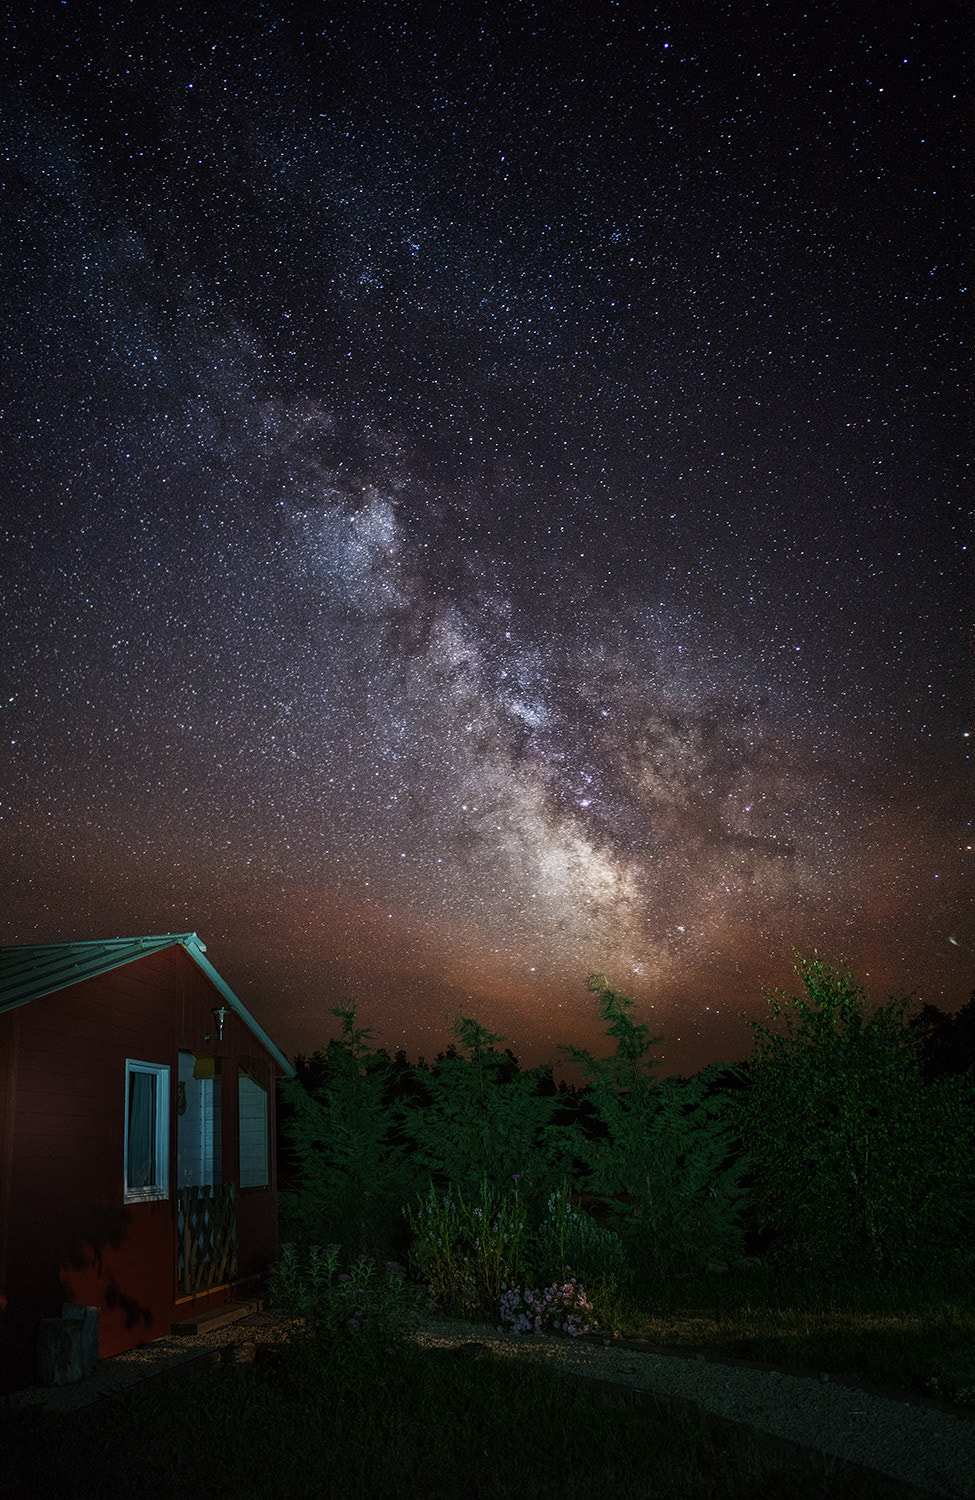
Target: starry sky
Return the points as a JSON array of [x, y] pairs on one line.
[[483, 502]]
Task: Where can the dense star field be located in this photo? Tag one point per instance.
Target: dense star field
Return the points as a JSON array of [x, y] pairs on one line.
[[483, 502]]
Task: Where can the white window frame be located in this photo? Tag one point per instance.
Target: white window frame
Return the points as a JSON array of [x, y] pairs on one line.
[[160, 1188]]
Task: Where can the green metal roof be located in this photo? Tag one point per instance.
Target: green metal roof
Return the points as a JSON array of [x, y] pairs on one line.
[[30, 970]]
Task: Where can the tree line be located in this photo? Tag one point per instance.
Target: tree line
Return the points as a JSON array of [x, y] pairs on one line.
[[844, 1137]]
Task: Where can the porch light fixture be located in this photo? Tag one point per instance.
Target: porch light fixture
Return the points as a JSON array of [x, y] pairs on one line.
[[220, 1013]]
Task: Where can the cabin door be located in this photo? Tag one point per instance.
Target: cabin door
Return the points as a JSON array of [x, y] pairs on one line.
[[206, 1219]]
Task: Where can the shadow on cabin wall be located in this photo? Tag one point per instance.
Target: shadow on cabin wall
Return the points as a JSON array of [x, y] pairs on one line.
[[64, 1253]]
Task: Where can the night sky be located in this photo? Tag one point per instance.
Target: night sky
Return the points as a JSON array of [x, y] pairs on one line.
[[483, 502]]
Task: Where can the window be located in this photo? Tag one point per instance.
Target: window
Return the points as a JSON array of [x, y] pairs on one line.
[[252, 1104], [198, 1134], [146, 1132]]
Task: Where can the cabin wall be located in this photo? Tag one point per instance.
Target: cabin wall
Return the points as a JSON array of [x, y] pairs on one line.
[[65, 1232]]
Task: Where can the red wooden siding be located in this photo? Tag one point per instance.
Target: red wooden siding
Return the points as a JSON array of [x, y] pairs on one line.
[[65, 1232]]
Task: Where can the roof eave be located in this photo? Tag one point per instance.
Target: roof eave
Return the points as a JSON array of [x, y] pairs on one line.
[[195, 949], [29, 989]]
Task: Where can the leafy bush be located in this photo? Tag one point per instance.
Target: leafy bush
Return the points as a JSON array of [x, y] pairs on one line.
[[892, 1184], [348, 1323], [476, 1126], [352, 1181], [299, 1282], [465, 1251], [570, 1240], [666, 1149]]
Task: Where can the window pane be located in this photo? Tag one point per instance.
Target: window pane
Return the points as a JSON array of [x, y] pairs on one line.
[[253, 1132], [142, 1130], [198, 1120], [146, 1149]]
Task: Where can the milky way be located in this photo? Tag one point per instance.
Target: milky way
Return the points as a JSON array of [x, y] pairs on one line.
[[483, 504]]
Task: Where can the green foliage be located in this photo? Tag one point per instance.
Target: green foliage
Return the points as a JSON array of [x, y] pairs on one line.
[[468, 1254], [465, 1250], [475, 1126], [348, 1324], [300, 1281], [572, 1241], [854, 1155], [945, 1211], [352, 1182], [851, 1154], [666, 1147]]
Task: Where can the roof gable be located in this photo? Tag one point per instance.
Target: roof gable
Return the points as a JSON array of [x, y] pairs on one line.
[[31, 970]]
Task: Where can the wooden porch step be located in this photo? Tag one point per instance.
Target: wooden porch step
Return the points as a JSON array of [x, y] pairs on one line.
[[216, 1317]]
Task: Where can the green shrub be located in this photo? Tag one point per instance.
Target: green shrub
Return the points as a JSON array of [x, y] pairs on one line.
[[571, 1240]]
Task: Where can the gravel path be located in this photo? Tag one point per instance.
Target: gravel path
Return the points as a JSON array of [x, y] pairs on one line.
[[916, 1442]]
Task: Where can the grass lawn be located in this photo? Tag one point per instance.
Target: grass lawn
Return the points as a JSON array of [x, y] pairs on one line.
[[902, 1337]]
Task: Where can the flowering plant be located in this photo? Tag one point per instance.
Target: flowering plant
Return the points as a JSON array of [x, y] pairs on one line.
[[567, 1236], [356, 1301], [353, 1322], [558, 1308], [465, 1250], [468, 1253]]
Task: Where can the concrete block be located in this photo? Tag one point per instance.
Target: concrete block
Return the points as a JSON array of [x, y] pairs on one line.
[[67, 1347]]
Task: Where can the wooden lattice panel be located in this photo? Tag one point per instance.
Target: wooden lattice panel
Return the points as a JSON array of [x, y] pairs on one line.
[[207, 1223]]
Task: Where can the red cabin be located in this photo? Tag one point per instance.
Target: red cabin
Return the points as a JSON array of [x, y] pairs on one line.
[[137, 1127]]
